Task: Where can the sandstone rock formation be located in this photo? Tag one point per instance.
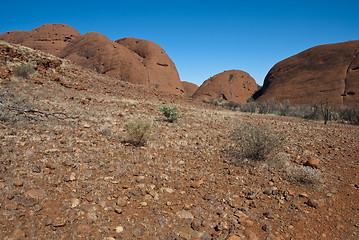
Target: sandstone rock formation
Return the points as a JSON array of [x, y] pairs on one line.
[[97, 52], [232, 85], [128, 59], [327, 72], [50, 38], [161, 71], [189, 88]]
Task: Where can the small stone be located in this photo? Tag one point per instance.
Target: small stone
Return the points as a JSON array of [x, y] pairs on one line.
[[48, 221], [140, 179], [304, 195], [233, 237], [51, 165], [266, 228], [250, 235], [27, 203], [74, 202], [121, 202], [168, 190], [312, 203], [91, 215], [268, 192], [36, 193], [143, 204], [185, 214], [207, 196], [89, 198], [118, 210], [71, 177], [197, 184], [59, 222], [18, 234], [196, 224], [36, 169], [119, 229], [314, 163], [47, 171], [223, 225], [240, 214], [18, 183]]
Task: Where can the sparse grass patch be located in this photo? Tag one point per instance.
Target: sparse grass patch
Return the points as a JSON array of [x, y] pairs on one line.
[[137, 132], [256, 143], [24, 71], [172, 113], [304, 175]]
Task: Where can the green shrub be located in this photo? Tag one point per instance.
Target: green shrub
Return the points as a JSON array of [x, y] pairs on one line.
[[256, 143], [172, 113], [24, 71], [137, 132]]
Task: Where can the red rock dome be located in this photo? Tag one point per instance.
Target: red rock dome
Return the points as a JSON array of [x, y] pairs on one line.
[[232, 85]]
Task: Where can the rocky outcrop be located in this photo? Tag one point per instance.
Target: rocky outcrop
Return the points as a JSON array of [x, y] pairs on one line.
[[50, 38], [162, 72], [129, 59], [327, 72], [232, 85], [189, 88], [97, 52]]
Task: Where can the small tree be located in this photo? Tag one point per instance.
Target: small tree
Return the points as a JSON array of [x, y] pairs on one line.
[[326, 111], [172, 113]]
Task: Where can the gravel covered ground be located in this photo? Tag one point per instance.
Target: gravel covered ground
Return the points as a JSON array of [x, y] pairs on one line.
[[67, 171]]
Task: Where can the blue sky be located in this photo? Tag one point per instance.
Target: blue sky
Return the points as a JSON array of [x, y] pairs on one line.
[[203, 38]]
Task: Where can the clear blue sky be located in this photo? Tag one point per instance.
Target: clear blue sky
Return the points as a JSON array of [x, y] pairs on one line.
[[203, 38]]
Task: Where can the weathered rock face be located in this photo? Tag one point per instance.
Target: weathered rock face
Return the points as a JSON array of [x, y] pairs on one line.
[[50, 38], [232, 85], [97, 52], [162, 72], [189, 88], [129, 59], [327, 72]]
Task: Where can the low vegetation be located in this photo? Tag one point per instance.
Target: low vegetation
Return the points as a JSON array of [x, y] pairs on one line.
[[324, 112], [304, 175], [256, 143], [24, 71], [172, 113], [137, 132]]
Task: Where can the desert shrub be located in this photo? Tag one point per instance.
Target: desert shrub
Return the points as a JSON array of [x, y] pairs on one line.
[[232, 105], [137, 132], [249, 107], [349, 113], [326, 112], [171, 113], [24, 71], [256, 143], [304, 175]]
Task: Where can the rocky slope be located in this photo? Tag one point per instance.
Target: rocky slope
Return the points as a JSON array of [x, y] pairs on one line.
[[66, 170], [232, 85], [133, 60], [327, 72], [189, 88]]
